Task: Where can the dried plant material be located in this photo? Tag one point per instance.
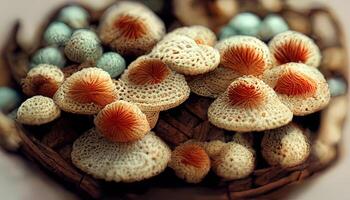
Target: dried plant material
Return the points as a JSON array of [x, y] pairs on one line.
[[121, 121], [301, 88], [86, 92], [43, 80], [152, 118], [291, 46], [200, 34], [287, 146], [9, 134], [185, 56], [120, 162], [38, 110], [131, 28], [238, 110], [190, 162], [325, 153], [235, 161]]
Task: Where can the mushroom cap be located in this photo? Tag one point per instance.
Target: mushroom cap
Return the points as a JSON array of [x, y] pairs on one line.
[[120, 162], [43, 80], [235, 161], [287, 146], [111, 62], [213, 148], [48, 55], [301, 88], [272, 25], [245, 139], [246, 23], [325, 153], [244, 55], [200, 34], [248, 104], [292, 46], [38, 110], [122, 121], [152, 118], [131, 28], [86, 92], [57, 33], [185, 56], [190, 162], [75, 16]]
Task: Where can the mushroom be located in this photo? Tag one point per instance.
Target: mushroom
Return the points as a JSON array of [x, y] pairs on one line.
[[86, 92], [131, 28], [121, 121], [74, 16], [248, 104], [245, 139], [38, 110], [301, 88], [185, 56], [43, 80], [190, 162], [111, 62], [287, 146], [240, 55], [48, 55], [152, 118], [120, 162], [200, 34], [152, 86], [57, 33], [214, 147], [291, 46], [323, 152]]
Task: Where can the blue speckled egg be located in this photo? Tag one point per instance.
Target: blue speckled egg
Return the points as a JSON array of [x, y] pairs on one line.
[[271, 26], [57, 33], [226, 32], [74, 16], [9, 99], [246, 24], [48, 55], [111, 62]]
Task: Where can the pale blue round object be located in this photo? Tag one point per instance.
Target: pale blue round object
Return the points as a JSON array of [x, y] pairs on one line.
[[271, 26], [227, 32], [74, 16], [111, 62], [246, 24], [57, 33], [337, 86], [48, 55], [9, 99]]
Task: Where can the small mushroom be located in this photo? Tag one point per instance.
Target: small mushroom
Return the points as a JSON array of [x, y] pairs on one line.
[[131, 28], [302, 88], [213, 148], [111, 62], [190, 162], [48, 55], [245, 139], [38, 110], [86, 92], [43, 80], [74, 16], [325, 153], [185, 56], [246, 24], [57, 33], [120, 162], [9, 99], [200, 34], [152, 118], [247, 105], [287, 146], [121, 121], [291, 46], [272, 25]]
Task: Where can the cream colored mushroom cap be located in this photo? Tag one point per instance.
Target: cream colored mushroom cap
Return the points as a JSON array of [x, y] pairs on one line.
[[120, 162], [152, 118], [309, 91], [200, 34], [256, 107], [38, 110], [287, 146]]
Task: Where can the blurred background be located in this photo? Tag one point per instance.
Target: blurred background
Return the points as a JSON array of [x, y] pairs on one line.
[[21, 180]]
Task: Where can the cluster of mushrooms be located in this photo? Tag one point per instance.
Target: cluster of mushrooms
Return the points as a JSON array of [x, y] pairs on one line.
[[256, 87]]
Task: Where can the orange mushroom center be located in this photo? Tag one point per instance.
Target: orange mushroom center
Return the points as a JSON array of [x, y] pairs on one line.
[[244, 60], [130, 27], [292, 51], [244, 95], [291, 83], [44, 85], [150, 71], [93, 88], [194, 155]]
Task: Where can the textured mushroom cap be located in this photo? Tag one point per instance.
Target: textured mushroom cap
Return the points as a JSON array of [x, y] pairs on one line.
[[111, 62], [244, 55], [213, 148], [57, 33], [190, 162], [185, 56], [200, 34], [287, 146], [86, 92], [235, 161], [323, 152], [301, 88], [291, 46], [43, 80], [84, 45], [38, 110], [131, 28], [246, 23], [152, 118], [120, 162], [248, 104], [121, 121], [48, 55], [75, 16], [245, 139]]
